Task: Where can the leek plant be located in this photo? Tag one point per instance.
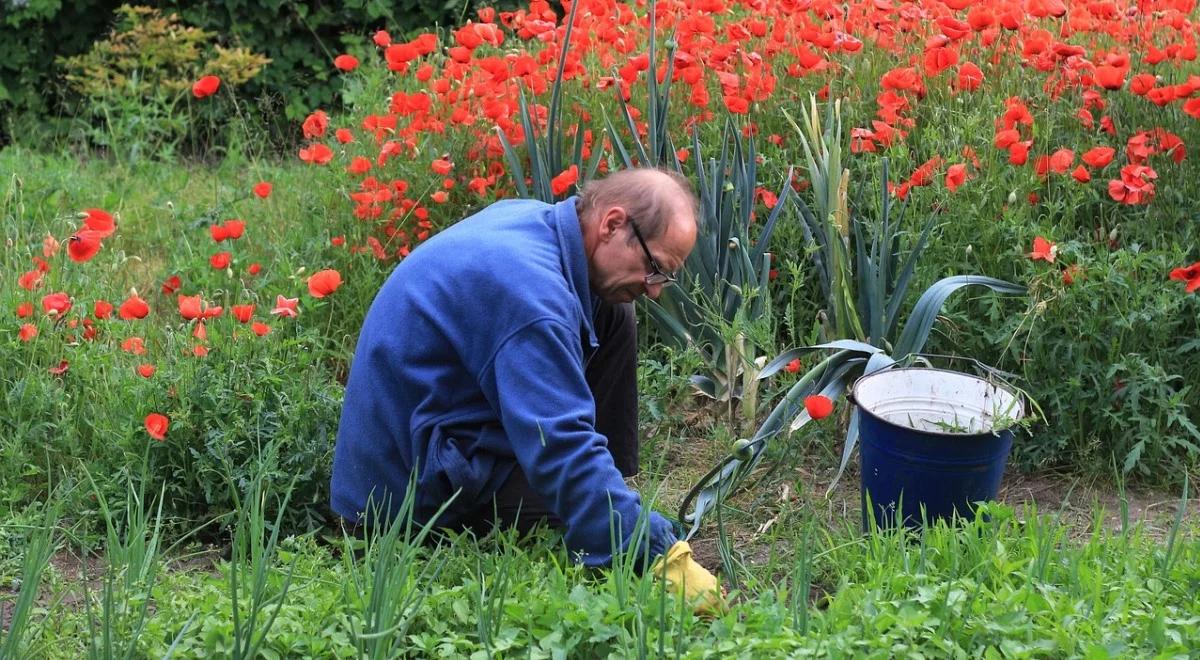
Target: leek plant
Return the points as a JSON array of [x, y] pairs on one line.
[[864, 269], [390, 577], [252, 553], [17, 635], [720, 308]]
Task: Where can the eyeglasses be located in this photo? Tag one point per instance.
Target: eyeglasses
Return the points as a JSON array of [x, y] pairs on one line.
[[656, 275]]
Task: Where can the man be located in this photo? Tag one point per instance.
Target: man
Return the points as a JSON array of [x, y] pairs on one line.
[[497, 368]]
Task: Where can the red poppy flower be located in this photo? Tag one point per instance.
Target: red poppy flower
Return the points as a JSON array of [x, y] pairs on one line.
[[1062, 160], [793, 366], [59, 370], [382, 39], [146, 370], [260, 328], [346, 62], [736, 103], [263, 189], [157, 425], [220, 260], [1192, 107], [1006, 138], [1081, 174], [1136, 185], [134, 345], [25, 310], [441, 166], [254, 269], [1110, 77], [1142, 83], [102, 309], [234, 229], [562, 183], [199, 351], [323, 283], [99, 221], [133, 308], [359, 165], [206, 86], [956, 175], [190, 307], [56, 303], [317, 154], [818, 406], [939, 59], [1189, 274], [315, 124], [30, 279], [343, 136], [243, 313], [49, 246], [27, 332], [218, 232], [970, 77], [84, 245], [1070, 273], [286, 306], [1098, 157], [1018, 152], [171, 285], [1044, 250]]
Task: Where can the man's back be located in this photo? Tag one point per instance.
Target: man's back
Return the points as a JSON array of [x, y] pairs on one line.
[[429, 333]]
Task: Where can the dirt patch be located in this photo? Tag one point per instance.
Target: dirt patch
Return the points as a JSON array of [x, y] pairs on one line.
[[1075, 500], [798, 491], [70, 578]]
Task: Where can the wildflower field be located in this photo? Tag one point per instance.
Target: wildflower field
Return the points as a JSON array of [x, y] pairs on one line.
[[180, 299]]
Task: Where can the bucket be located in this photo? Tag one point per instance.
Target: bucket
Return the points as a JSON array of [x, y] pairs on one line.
[[933, 442]]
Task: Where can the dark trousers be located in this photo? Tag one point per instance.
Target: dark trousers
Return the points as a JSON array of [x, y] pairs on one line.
[[611, 374]]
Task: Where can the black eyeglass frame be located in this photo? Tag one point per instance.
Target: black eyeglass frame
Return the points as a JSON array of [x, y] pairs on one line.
[[656, 275]]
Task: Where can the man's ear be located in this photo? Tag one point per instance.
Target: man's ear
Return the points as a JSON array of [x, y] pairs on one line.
[[612, 221]]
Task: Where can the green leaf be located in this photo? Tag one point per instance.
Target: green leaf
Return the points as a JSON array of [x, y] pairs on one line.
[[920, 322], [848, 446]]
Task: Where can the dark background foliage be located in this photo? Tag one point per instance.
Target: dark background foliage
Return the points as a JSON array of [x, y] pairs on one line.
[[300, 37]]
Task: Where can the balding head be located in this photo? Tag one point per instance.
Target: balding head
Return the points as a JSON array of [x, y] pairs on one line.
[[652, 196], [664, 210]]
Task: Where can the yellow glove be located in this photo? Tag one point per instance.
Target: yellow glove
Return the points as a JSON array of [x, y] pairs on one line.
[[691, 580]]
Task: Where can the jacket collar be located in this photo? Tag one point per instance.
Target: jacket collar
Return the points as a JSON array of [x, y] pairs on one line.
[[574, 261]]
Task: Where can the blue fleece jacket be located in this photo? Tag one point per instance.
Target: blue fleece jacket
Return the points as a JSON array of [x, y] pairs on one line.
[[471, 361]]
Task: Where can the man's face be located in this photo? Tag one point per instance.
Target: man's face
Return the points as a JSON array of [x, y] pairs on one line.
[[619, 268]]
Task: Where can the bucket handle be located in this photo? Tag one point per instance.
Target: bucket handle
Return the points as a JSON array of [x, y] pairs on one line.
[[1001, 375], [987, 371]]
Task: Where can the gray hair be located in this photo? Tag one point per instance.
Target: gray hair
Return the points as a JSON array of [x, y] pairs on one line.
[[645, 193]]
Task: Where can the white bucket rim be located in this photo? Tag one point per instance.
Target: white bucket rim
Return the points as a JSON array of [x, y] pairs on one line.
[[993, 431]]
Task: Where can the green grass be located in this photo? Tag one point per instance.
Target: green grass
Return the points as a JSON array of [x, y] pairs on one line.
[[1019, 585]]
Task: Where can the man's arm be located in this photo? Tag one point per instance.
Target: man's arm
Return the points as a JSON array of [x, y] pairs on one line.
[[536, 381]]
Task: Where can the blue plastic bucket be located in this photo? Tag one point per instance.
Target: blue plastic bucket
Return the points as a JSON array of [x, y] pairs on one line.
[[933, 442]]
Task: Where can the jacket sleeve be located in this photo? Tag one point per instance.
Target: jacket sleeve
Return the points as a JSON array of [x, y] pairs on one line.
[[536, 381]]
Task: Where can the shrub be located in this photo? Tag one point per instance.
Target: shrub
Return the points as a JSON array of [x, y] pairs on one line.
[[135, 86]]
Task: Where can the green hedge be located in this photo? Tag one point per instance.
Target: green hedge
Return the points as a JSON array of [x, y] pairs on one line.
[[300, 37]]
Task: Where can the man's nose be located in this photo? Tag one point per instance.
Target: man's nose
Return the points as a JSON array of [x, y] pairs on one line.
[[653, 291]]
